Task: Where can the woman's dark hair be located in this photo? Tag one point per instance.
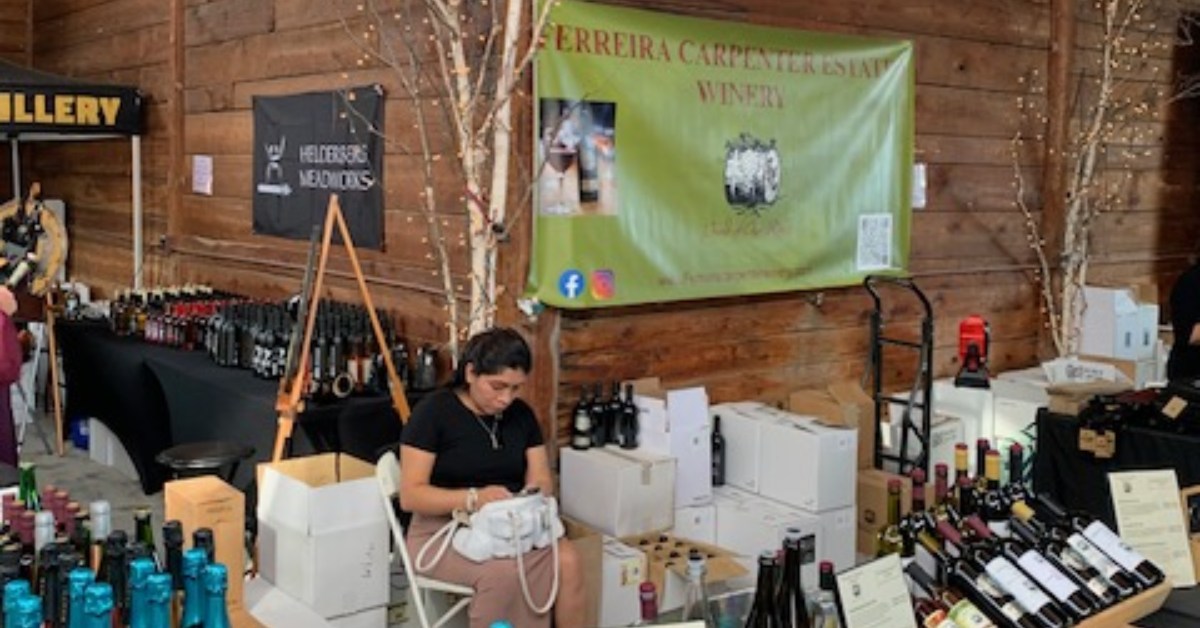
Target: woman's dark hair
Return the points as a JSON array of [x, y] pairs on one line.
[[493, 351]]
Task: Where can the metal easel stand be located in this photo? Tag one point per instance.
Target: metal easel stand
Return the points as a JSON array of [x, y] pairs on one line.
[[23, 394], [919, 397], [290, 403]]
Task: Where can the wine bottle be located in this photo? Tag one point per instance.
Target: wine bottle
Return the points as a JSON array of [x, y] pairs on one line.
[[1102, 536], [98, 606], [589, 177], [944, 507], [1016, 473], [982, 446], [993, 504], [1066, 592], [581, 423], [158, 601], [718, 452], [695, 595], [1068, 561], [599, 415], [194, 561], [613, 414], [966, 497], [792, 605], [974, 583], [26, 612], [77, 582], [961, 456], [216, 582], [628, 424], [888, 539], [930, 614], [825, 605], [203, 538], [763, 612], [960, 610], [648, 603], [921, 517], [139, 574], [1124, 582]]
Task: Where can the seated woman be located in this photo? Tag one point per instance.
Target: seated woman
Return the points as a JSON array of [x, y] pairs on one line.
[[472, 443]]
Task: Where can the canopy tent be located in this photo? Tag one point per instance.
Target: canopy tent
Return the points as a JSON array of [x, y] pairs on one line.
[[38, 106]]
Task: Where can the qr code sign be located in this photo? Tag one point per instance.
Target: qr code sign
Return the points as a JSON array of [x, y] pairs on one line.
[[874, 242]]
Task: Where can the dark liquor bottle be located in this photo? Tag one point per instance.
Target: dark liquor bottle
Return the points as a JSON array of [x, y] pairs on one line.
[[599, 414], [1040, 609], [792, 605], [993, 501], [764, 613], [613, 415], [1100, 535], [1015, 489], [203, 538], [718, 453], [173, 562], [581, 422], [143, 532], [216, 582], [1062, 587], [1069, 561], [888, 540], [963, 575], [982, 446], [628, 425]]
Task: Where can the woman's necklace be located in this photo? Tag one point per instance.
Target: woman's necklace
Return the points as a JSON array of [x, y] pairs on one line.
[[491, 431]]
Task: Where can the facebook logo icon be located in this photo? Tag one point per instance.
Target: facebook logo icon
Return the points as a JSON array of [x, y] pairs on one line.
[[571, 283]]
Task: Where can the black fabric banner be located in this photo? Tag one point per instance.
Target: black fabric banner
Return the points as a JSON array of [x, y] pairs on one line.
[[308, 146]]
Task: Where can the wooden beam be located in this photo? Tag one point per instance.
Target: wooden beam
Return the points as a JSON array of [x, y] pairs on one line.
[[1058, 122], [176, 166]]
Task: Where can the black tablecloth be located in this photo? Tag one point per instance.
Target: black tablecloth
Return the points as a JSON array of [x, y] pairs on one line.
[[153, 397], [1080, 480]]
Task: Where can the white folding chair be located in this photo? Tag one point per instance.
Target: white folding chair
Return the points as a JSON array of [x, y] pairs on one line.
[[387, 473]]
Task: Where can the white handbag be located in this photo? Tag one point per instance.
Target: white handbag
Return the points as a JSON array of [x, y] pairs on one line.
[[507, 528]]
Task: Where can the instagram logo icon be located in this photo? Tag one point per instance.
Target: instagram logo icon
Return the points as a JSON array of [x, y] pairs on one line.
[[604, 284]]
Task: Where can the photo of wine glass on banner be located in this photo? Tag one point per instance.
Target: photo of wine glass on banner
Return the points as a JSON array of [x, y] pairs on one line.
[[577, 158]]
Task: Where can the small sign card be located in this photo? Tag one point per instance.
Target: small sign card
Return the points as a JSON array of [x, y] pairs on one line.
[[1150, 520], [875, 595]]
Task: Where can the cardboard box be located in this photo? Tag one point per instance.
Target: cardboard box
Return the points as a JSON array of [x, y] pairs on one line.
[[1140, 373], [801, 462], [1070, 398], [618, 492], [842, 404], [872, 496], [696, 523], [1117, 323], [323, 534], [209, 502], [666, 563], [623, 569], [676, 423], [944, 433], [1016, 407], [589, 545]]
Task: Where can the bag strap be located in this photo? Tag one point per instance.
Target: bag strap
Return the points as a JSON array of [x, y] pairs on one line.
[[550, 599], [447, 534]]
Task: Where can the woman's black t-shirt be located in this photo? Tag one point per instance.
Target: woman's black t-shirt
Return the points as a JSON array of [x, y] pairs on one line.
[[462, 441]]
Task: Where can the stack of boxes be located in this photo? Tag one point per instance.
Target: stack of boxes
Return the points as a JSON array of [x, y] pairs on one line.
[[1119, 326]]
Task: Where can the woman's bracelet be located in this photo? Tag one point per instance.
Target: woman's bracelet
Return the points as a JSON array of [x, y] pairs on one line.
[[472, 499]]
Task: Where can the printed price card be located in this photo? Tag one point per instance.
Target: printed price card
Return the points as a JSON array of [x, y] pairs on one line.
[[875, 595], [1150, 520]]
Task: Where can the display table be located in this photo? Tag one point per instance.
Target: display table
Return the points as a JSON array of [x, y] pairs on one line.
[[1079, 480], [153, 397]]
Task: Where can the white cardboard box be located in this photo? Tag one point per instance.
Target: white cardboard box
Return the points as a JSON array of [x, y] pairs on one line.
[[1017, 403], [677, 425], [805, 464], [696, 523], [1115, 325], [944, 433], [623, 570], [618, 492], [323, 536]]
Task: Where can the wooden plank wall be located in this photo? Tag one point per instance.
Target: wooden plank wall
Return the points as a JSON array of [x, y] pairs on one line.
[[201, 61]]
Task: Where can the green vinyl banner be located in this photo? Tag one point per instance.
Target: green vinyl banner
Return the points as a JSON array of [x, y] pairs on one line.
[[683, 158]]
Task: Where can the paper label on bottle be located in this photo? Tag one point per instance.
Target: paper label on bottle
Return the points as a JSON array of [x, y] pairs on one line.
[[936, 619], [1174, 407], [967, 615], [1093, 556], [1047, 575], [1012, 580], [1101, 536], [1096, 583], [1008, 606]]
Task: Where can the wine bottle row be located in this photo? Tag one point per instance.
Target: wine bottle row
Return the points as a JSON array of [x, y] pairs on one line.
[[598, 420], [992, 554], [65, 567], [345, 356]]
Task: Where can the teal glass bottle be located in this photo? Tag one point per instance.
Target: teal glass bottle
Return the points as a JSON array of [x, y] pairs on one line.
[[98, 605], [139, 575], [216, 582], [77, 582], [26, 613], [194, 561], [14, 590], [158, 600]]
